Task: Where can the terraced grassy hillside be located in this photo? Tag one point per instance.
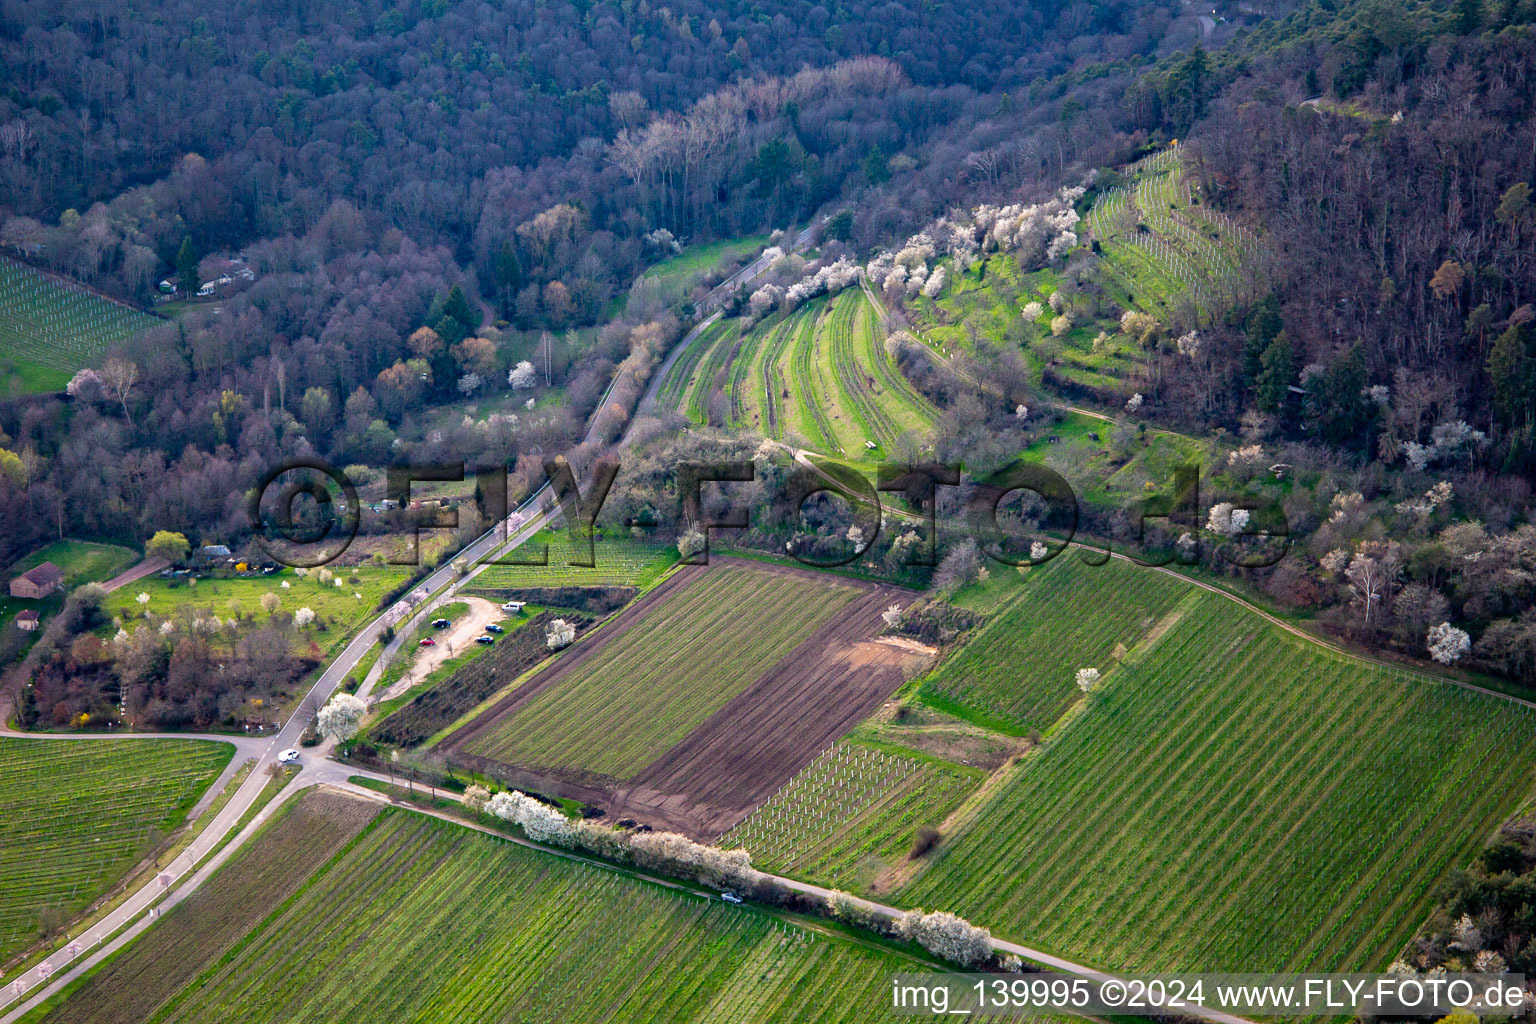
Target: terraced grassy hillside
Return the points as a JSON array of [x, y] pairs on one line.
[[1164, 248], [819, 377], [1234, 797], [49, 329], [438, 922], [75, 815]]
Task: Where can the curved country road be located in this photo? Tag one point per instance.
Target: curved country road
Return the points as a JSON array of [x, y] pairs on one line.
[[131, 916]]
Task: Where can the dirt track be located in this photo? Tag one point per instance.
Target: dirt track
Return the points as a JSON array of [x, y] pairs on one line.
[[450, 643], [753, 745]]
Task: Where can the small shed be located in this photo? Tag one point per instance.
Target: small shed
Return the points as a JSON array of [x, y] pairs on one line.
[[27, 620], [38, 583]]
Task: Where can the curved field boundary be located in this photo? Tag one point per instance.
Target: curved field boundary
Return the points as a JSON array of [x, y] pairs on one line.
[[819, 427], [886, 372], [675, 384], [772, 377], [743, 356], [720, 344]]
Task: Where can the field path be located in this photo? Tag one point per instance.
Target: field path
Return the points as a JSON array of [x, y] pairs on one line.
[[133, 573], [336, 775], [470, 625]]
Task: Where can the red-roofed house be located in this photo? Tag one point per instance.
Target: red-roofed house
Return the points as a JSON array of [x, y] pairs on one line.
[[26, 620], [37, 583]]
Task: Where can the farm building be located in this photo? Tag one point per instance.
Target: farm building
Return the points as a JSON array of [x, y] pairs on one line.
[[38, 583], [26, 620]]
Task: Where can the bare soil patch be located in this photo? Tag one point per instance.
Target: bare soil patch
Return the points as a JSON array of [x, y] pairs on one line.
[[754, 744]]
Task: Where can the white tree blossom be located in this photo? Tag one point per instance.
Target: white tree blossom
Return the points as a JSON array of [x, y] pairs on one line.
[[1226, 519], [1134, 402], [892, 616], [946, 935], [1250, 455], [523, 376], [1062, 324], [1489, 962], [560, 635], [304, 616], [764, 299], [476, 797], [1038, 551], [341, 716], [934, 284], [1446, 643], [691, 541], [856, 535], [143, 599], [541, 822], [1087, 678], [469, 383], [1465, 935], [1020, 411], [1032, 311]]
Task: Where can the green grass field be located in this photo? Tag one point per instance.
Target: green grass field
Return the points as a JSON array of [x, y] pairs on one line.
[[1236, 798], [620, 561], [49, 329], [674, 277], [82, 561], [420, 919], [657, 681], [75, 815], [1045, 624], [850, 814], [819, 377], [227, 598]]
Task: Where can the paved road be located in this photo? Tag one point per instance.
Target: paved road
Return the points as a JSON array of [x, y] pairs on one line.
[[336, 775], [316, 769]]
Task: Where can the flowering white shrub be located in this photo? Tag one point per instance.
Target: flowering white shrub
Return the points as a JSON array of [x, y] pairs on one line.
[[764, 299], [1134, 402], [946, 935], [1061, 325], [1087, 678], [1250, 455], [561, 634], [1447, 644], [830, 280], [892, 616], [1032, 311], [541, 822], [303, 617], [1227, 520], [1038, 551], [934, 284]]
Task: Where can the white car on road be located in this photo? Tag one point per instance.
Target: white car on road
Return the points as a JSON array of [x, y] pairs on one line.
[[289, 756]]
